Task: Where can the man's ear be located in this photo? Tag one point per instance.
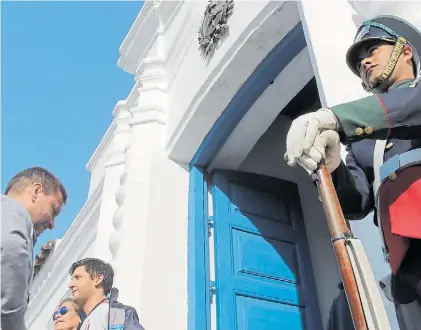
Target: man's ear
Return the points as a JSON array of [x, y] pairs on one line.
[[99, 279], [36, 190]]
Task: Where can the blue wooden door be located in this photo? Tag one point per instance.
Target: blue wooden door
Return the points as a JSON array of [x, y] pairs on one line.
[[263, 275]]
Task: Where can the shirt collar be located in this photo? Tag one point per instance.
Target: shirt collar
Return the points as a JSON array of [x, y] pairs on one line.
[[33, 234], [401, 83]]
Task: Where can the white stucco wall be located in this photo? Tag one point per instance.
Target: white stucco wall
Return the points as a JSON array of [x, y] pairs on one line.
[[200, 91], [99, 158], [193, 72], [408, 10]]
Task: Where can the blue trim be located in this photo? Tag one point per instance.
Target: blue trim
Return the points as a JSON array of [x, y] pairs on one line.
[[266, 72], [199, 284], [400, 162], [198, 265]]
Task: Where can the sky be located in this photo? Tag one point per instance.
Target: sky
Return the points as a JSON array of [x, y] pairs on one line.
[[59, 85]]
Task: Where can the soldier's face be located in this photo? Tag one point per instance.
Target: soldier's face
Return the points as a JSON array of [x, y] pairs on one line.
[[374, 59]]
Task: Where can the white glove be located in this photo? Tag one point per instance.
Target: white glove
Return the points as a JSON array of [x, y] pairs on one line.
[[304, 130], [327, 145]]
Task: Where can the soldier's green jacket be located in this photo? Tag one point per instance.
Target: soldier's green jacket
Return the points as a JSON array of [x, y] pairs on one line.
[[395, 116]]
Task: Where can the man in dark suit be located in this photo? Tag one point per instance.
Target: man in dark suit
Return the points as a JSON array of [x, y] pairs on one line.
[[383, 137]]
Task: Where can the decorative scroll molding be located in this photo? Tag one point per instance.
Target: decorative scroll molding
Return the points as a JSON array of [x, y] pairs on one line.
[[214, 28], [122, 117], [118, 217]]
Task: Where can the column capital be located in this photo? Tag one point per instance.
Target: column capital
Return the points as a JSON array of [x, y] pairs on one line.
[[151, 87]]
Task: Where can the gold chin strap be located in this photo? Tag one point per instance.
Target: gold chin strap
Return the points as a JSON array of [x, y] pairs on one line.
[[397, 51]]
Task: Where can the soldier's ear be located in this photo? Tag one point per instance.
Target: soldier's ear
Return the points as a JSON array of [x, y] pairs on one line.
[[407, 53]]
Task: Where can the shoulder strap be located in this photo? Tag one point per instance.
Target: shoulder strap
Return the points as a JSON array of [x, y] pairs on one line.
[[379, 153], [378, 157]]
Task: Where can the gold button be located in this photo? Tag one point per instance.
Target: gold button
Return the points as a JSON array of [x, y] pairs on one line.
[[393, 176], [389, 145], [368, 130], [359, 131]]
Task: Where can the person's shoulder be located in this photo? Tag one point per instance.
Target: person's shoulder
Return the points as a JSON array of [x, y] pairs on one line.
[[97, 319], [8, 204], [101, 312], [14, 215]]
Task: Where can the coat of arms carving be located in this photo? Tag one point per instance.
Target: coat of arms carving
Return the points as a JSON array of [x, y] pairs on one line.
[[214, 28]]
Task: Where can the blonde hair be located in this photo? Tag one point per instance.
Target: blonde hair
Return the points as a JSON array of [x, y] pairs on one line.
[[78, 310]]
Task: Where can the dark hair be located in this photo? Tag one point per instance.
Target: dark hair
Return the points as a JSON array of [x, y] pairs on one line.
[[78, 310], [36, 174], [95, 267]]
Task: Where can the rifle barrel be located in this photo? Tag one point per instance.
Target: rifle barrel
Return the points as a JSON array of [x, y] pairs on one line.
[[338, 231]]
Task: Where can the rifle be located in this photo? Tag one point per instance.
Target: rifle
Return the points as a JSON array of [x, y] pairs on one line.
[[357, 278]]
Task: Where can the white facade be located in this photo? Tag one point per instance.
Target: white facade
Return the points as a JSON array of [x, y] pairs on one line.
[[139, 202]]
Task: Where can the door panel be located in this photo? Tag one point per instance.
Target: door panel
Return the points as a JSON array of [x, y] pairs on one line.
[[263, 273]]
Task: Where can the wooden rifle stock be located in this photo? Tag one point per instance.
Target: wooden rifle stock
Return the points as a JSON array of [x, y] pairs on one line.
[[339, 232]]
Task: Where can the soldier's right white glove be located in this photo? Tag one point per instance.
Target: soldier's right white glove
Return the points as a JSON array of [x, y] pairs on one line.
[[327, 145], [303, 132]]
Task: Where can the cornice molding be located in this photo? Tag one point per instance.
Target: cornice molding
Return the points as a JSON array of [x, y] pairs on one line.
[[153, 20], [142, 116], [121, 113], [151, 70], [140, 36], [133, 96], [102, 147], [74, 244]]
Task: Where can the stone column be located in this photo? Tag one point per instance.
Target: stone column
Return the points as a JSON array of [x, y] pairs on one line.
[[149, 245], [128, 242]]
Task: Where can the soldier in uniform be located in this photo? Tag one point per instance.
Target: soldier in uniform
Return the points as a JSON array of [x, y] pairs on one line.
[[383, 137]]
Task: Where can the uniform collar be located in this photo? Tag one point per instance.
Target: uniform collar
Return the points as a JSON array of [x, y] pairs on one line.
[[401, 83]]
